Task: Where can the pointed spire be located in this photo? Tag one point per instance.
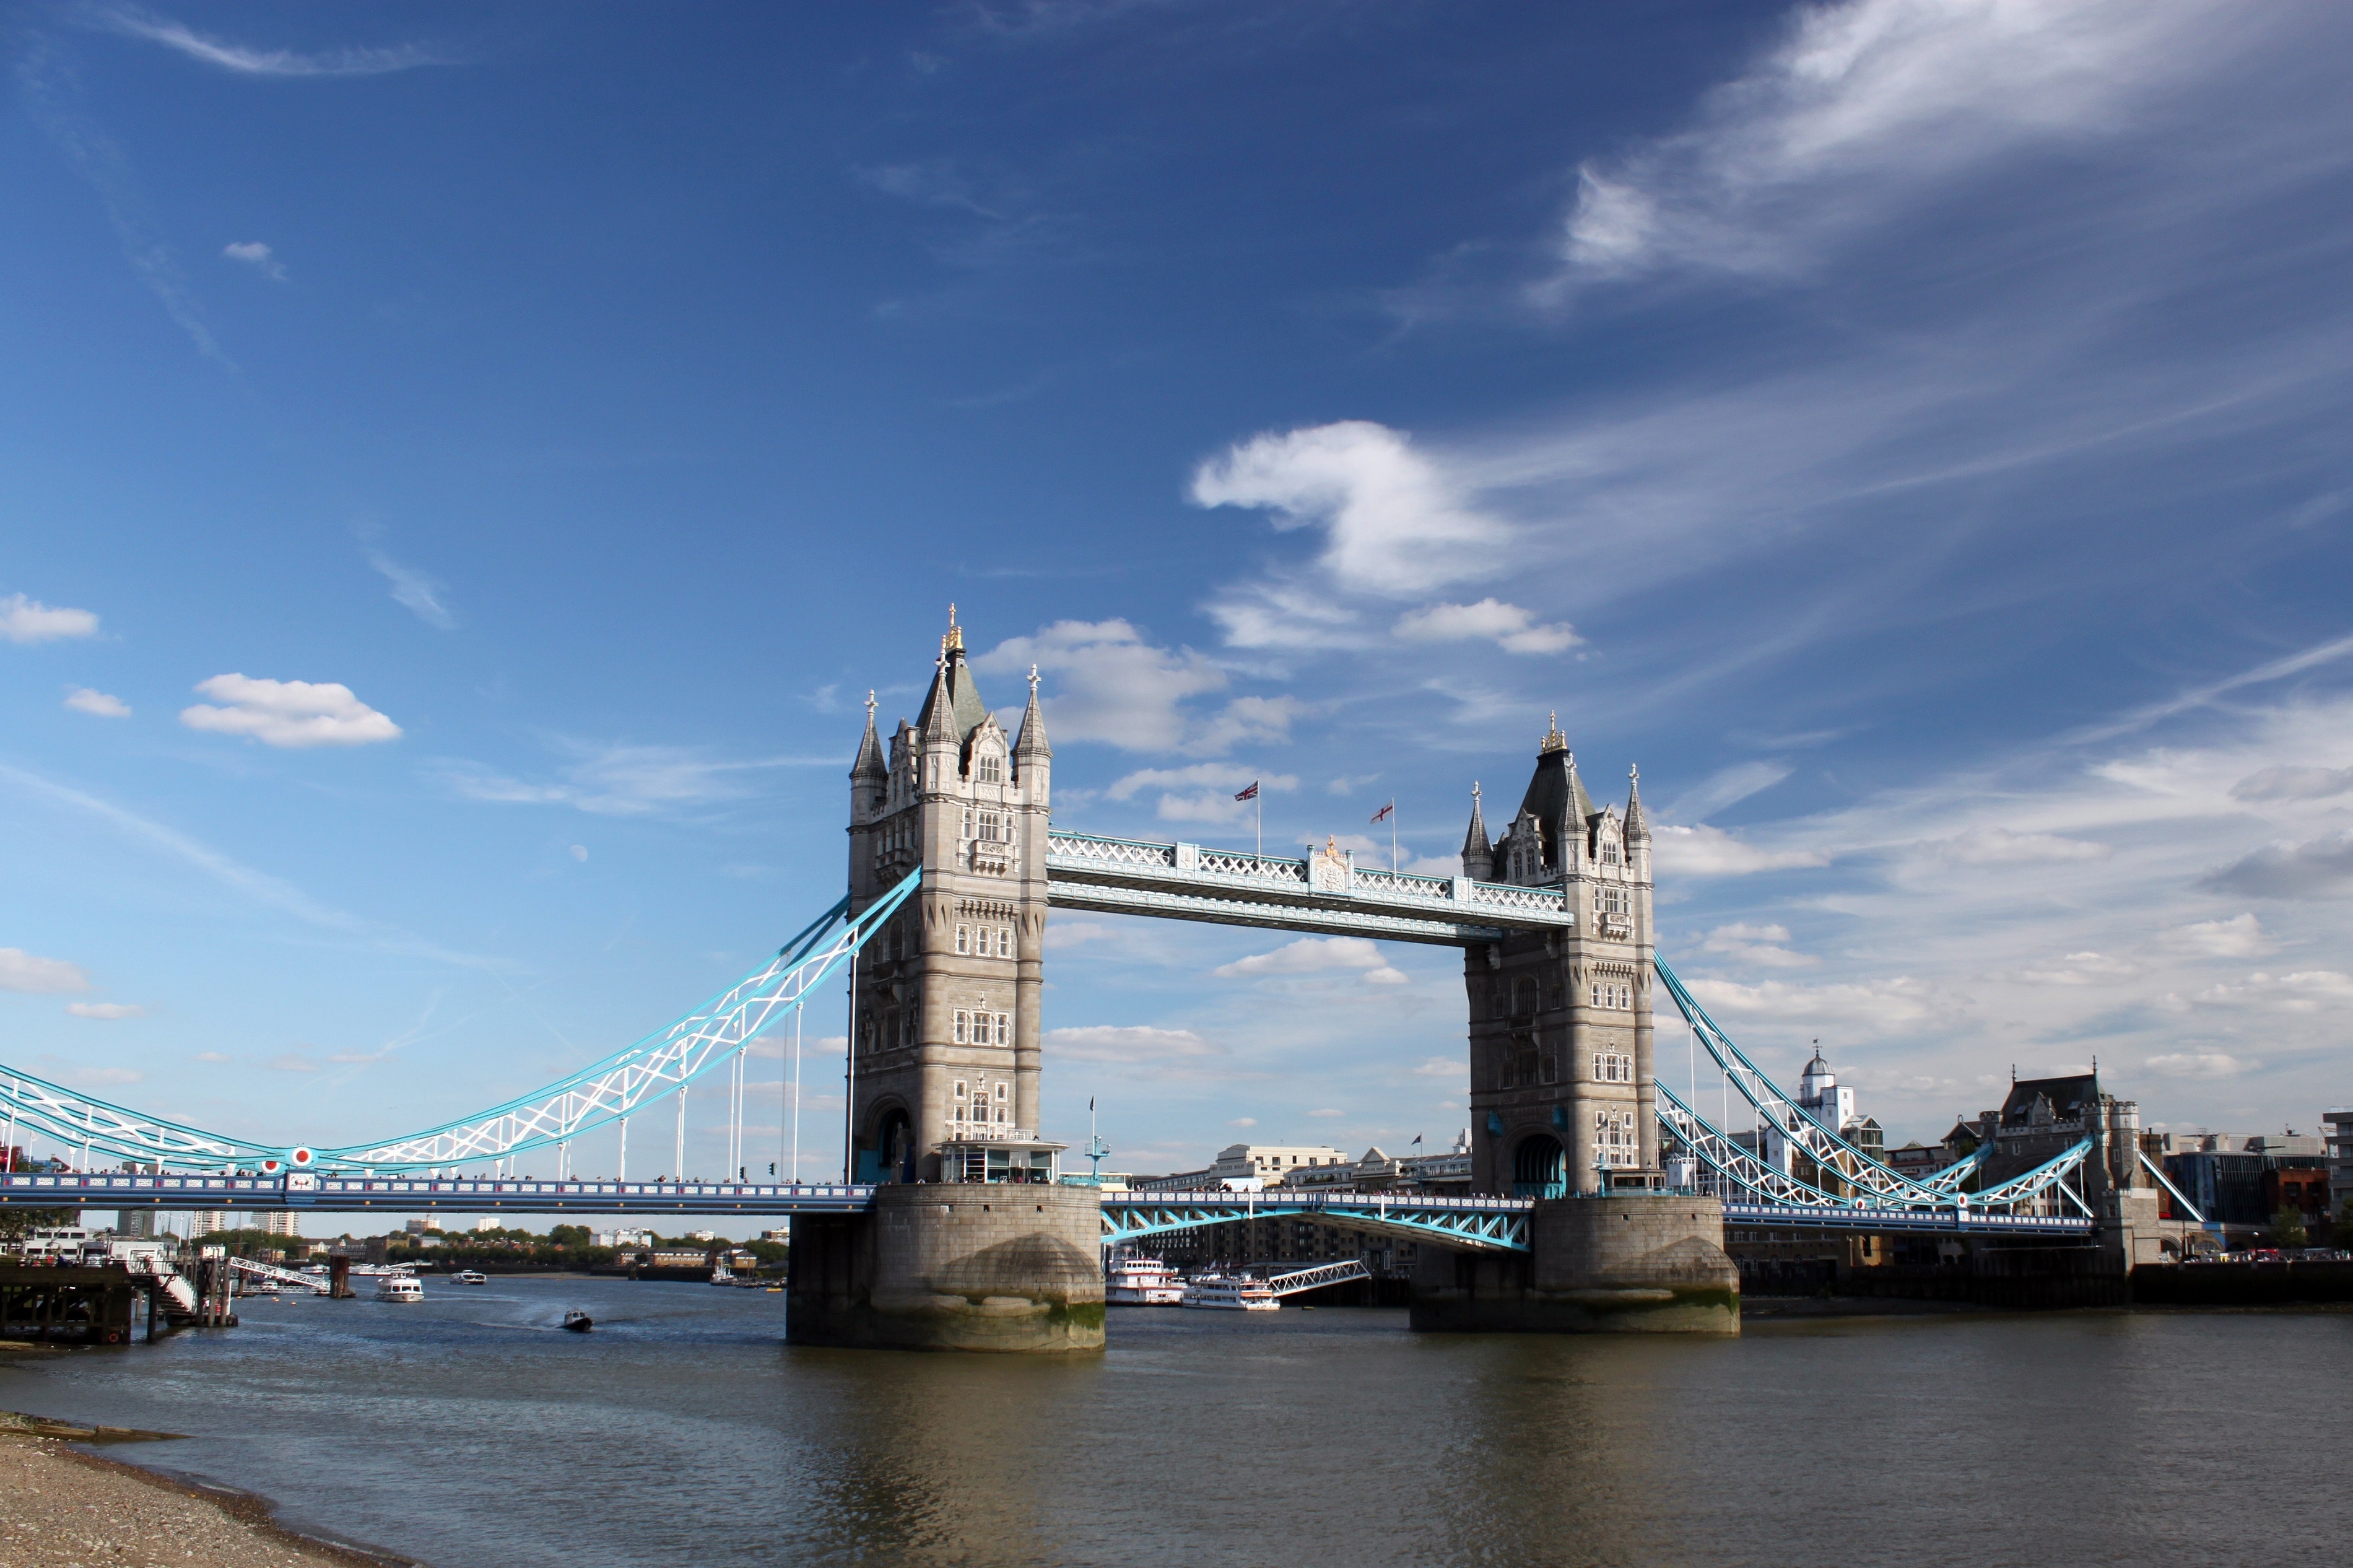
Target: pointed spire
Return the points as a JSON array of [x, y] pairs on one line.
[[1637, 832], [1478, 854], [1032, 742], [869, 749], [937, 721]]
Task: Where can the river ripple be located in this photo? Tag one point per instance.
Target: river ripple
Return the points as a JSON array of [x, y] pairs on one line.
[[472, 1430]]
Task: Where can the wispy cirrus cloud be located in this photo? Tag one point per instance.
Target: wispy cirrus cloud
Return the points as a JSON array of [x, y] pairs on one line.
[[243, 60], [620, 780], [416, 591]]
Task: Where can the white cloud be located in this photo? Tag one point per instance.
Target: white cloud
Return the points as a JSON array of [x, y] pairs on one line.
[[416, 592], [212, 1057], [1243, 1121], [2000, 846], [2240, 937], [1135, 1045], [82, 699], [1763, 945], [579, 853], [1246, 720], [2318, 868], [293, 1062], [1272, 613], [1859, 106], [1442, 1067], [1226, 775], [1894, 1003], [131, 22], [1507, 625], [1112, 686], [2293, 784], [105, 1009], [1327, 1112], [25, 619], [2079, 968], [21, 972], [1395, 522], [1317, 955], [288, 713], [256, 255], [1703, 850], [2199, 1064]]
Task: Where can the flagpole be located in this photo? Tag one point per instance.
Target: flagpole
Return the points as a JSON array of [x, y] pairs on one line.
[[1392, 835], [1258, 796]]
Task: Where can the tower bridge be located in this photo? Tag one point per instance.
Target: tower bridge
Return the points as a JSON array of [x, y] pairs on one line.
[[950, 1229]]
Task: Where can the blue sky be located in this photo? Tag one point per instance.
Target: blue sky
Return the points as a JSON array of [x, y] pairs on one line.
[[1911, 429]]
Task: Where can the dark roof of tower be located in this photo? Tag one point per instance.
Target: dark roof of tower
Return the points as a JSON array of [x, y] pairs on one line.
[[2069, 1098], [964, 711], [1556, 791], [1637, 830]]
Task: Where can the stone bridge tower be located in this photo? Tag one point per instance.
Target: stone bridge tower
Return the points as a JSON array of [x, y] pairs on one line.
[[945, 1027], [1561, 1087]]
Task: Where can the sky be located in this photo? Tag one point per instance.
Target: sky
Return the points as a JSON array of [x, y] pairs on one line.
[[462, 467]]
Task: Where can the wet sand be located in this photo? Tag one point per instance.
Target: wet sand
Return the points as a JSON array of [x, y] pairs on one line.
[[62, 1508]]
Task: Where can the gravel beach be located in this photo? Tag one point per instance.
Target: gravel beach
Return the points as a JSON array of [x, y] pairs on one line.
[[63, 1508]]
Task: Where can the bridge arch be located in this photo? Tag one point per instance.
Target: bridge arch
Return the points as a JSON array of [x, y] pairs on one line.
[[1539, 1167]]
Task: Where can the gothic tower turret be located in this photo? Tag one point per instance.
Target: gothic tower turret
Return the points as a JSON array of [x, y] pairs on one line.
[[1562, 1095], [945, 1031]]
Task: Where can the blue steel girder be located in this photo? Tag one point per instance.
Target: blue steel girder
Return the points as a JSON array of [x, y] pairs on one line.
[[1314, 893], [1477, 1224]]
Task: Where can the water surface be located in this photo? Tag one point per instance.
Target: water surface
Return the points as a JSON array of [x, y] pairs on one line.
[[470, 1429]]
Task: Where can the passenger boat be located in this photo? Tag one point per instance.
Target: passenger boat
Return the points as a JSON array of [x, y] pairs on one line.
[[1231, 1292], [722, 1275], [468, 1277], [1143, 1282], [579, 1322], [399, 1288]]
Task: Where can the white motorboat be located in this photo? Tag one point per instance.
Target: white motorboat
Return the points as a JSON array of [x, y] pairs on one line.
[[1231, 1292], [468, 1277], [1143, 1282], [399, 1288]]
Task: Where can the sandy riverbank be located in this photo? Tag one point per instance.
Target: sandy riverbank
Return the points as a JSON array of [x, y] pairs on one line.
[[63, 1508]]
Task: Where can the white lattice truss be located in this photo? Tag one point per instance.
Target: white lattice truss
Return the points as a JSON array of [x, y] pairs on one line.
[[661, 1065]]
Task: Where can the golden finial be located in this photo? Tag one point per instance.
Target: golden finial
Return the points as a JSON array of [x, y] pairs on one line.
[[1553, 740], [953, 640]]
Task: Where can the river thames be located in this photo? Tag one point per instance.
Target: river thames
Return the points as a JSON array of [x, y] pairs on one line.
[[470, 1429]]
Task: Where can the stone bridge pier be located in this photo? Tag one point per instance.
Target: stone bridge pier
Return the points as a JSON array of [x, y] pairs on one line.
[[1650, 1263]]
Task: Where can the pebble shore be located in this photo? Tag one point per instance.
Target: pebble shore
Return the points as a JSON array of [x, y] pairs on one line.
[[60, 1508]]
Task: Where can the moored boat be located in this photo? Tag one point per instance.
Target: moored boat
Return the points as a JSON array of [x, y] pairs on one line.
[[1143, 1282], [1231, 1292], [468, 1277]]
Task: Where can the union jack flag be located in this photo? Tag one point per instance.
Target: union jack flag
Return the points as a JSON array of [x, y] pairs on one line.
[[1251, 793]]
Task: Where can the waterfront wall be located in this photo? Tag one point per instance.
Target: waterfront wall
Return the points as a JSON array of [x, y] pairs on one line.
[[952, 1267], [1641, 1263]]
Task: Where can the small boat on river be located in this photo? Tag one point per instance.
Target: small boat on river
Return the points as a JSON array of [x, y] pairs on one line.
[[578, 1322], [1143, 1282], [468, 1277], [1231, 1293]]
